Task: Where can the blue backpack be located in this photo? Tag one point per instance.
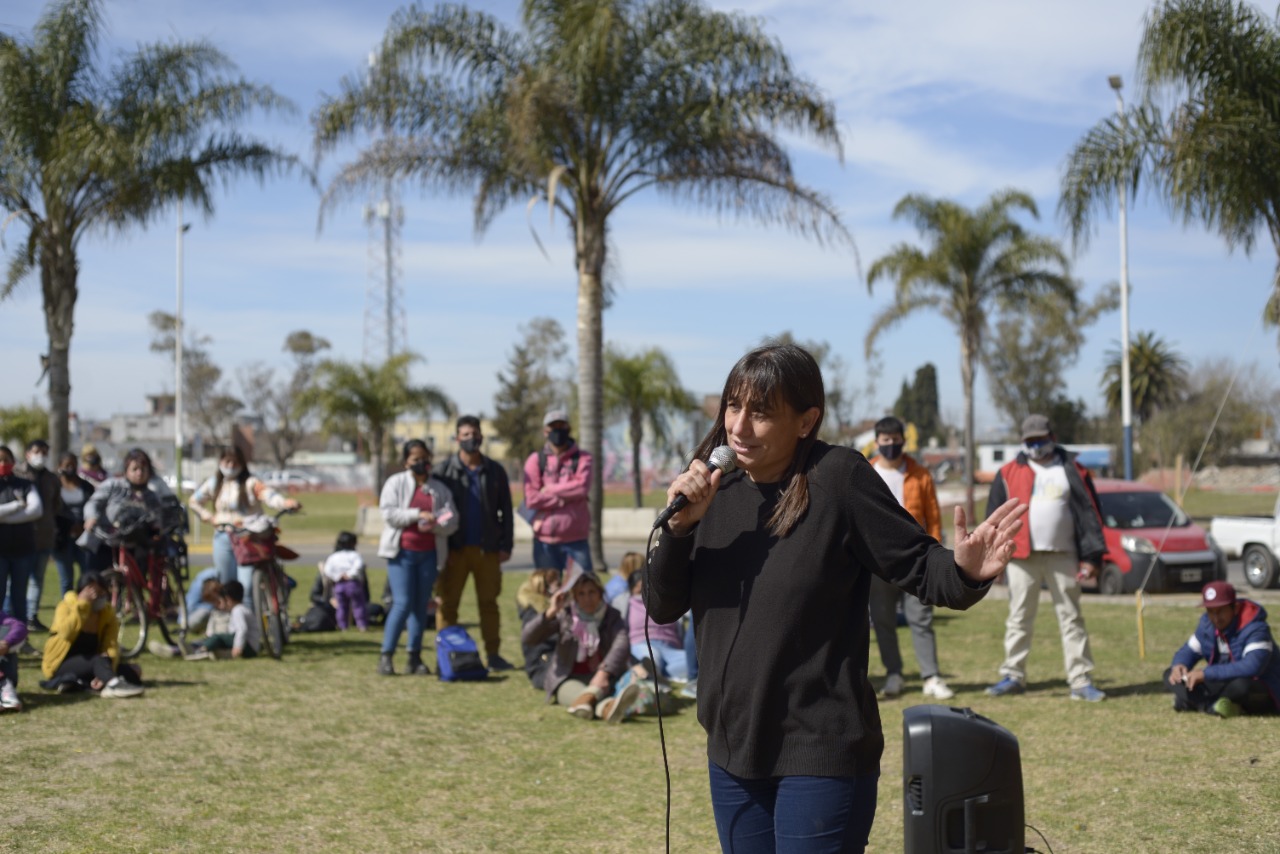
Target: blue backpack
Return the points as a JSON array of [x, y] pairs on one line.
[[457, 658]]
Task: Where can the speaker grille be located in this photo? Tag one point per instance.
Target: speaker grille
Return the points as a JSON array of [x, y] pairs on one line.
[[915, 795]]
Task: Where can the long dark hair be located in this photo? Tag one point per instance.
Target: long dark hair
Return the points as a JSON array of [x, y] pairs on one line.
[[137, 455], [242, 478], [768, 377]]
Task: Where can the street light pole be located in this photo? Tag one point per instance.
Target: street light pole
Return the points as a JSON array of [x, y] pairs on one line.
[[1126, 387], [177, 368]]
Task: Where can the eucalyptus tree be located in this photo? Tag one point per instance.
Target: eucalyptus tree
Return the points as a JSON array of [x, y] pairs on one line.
[[974, 262], [644, 388], [1204, 137], [89, 147], [583, 106]]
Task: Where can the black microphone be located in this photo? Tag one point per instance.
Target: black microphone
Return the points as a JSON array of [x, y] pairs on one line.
[[722, 459]]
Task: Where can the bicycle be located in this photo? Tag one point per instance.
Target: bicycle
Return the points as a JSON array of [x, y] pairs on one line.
[[268, 586], [154, 595]]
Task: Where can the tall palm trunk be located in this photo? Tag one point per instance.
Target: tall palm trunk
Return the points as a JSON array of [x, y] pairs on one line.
[[968, 350], [590, 257], [58, 273], [637, 436], [377, 446]]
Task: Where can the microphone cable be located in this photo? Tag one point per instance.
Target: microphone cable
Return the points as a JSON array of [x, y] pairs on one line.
[[657, 695]]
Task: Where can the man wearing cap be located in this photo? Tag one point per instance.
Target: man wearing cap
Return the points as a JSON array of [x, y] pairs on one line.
[[1242, 670], [1060, 543], [556, 482]]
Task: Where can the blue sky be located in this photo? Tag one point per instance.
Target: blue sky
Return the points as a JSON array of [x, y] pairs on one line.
[[946, 99]]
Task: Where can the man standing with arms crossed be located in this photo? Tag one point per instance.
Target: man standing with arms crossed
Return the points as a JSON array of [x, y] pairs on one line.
[[913, 486], [483, 541], [556, 481], [1060, 544]]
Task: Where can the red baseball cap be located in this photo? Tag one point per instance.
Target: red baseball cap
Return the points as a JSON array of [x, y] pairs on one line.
[[1216, 594]]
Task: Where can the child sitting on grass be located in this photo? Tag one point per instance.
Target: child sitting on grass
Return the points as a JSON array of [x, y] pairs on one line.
[[14, 633], [243, 637], [345, 568]]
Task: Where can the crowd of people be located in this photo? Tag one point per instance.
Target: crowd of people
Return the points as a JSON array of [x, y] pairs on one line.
[[755, 578]]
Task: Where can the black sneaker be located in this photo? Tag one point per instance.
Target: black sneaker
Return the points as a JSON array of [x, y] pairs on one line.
[[497, 662], [34, 625], [415, 665], [385, 667]]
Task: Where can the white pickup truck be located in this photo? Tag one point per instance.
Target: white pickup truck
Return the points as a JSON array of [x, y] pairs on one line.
[[1253, 539]]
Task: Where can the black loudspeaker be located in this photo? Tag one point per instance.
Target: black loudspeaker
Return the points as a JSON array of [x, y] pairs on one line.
[[962, 779]]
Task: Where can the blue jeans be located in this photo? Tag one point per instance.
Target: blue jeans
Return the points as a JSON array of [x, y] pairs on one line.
[[792, 815], [35, 582], [15, 572], [224, 560], [553, 555], [412, 576], [670, 660], [691, 651], [66, 559]]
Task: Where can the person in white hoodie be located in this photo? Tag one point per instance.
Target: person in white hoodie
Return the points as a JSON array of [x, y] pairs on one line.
[[419, 516]]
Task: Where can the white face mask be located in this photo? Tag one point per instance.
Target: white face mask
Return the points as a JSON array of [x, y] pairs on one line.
[[37, 461], [229, 471]]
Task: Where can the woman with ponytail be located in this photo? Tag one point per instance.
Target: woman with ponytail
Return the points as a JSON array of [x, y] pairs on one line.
[[775, 559]]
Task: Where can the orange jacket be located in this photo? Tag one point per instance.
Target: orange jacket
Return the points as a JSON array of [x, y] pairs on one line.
[[920, 498]]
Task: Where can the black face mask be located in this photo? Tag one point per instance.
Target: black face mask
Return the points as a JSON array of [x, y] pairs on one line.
[[420, 469], [469, 445], [559, 437], [891, 452]]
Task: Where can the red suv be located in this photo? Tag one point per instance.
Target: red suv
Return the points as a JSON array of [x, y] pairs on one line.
[[1145, 531]]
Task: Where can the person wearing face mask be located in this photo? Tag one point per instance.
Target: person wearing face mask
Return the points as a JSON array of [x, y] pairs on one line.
[[91, 468], [419, 516], [83, 650], [20, 507], [224, 501], [36, 469], [913, 486], [1061, 543], [76, 492], [483, 541], [556, 484]]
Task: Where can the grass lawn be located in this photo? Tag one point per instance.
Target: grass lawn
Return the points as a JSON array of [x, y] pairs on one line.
[[317, 753]]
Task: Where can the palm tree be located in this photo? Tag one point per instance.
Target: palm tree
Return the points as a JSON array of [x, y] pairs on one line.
[[975, 262], [1211, 157], [1158, 376], [88, 148], [588, 104], [368, 399], [643, 388]]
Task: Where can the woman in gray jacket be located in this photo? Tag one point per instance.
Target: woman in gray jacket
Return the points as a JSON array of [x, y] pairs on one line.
[[418, 515]]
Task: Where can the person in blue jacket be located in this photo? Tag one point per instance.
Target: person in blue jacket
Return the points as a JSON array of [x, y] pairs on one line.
[[1241, 672]]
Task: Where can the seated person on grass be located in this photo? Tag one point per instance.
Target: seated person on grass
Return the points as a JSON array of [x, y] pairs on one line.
[[668, 645], [243, 637], [1242, 670], [531, 600], [83, 649], [13, 632], [591, 650]]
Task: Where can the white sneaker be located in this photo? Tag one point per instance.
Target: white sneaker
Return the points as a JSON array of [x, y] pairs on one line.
[[894, 685], [936, 688], [118, 689], [198, 653], [163, 649], [9, 701]]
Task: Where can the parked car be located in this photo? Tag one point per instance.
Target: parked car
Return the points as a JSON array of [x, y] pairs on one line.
[[1253, 539], [291, 479], [1145, 530]]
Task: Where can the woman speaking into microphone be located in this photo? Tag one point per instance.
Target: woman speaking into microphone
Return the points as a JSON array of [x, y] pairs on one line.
[[775, 560]]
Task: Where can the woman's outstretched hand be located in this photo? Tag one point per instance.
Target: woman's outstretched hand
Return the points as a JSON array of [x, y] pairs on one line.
[[984, 552]]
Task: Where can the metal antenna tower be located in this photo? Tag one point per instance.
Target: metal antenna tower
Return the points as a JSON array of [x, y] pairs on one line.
[[385, 328]]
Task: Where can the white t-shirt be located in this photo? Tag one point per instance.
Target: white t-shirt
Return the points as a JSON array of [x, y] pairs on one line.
[[894, 478], [342, 565], [1049, 516], [246, 628]]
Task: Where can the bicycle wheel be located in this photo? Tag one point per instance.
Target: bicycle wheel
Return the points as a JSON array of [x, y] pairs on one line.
[[173, 608], [266, 607], [131, 610]]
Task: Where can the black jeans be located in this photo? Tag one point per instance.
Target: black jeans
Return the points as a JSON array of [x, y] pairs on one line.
[[1247, 693]]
